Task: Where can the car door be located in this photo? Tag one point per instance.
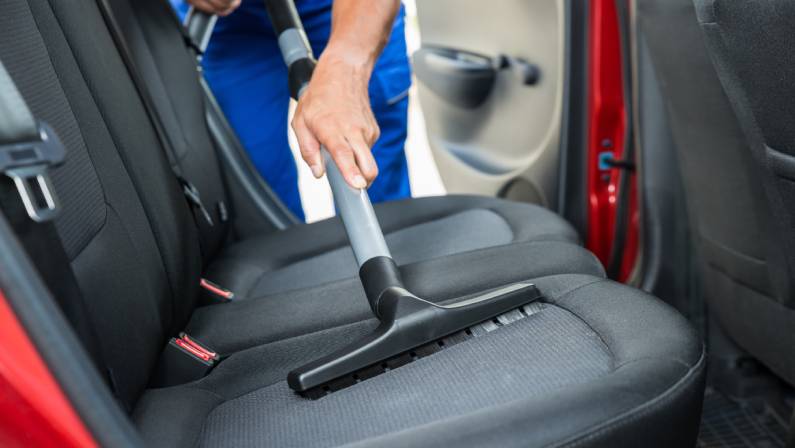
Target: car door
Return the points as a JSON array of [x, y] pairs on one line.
[[491, 87], [531, 100]]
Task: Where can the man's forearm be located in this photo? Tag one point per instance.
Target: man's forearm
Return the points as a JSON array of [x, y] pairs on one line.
[[359, 31]]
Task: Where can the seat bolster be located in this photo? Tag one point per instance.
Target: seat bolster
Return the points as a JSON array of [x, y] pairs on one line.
[[631, 322], [653, 397], [608, 412]]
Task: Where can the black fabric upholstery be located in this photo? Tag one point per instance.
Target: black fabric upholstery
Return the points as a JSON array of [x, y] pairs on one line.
[[751, 46], [597, 364], [723, 191], [571, 374], [440, 388], [45, 98], [736, 199]]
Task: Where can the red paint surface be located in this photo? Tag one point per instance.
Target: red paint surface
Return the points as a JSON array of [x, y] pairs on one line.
[[607, 123], [33, 410]]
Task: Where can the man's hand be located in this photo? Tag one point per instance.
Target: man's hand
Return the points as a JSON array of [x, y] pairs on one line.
[[335, 112], [219, 7]]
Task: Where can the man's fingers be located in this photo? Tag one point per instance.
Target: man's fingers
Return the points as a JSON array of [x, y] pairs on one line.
[[345, 160], [346, 138], [220, 7], [309, 147], [234, 5], [205, 5], [364, 157]]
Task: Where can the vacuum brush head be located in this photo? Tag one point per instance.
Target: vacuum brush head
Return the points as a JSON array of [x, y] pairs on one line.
[[409, 328]]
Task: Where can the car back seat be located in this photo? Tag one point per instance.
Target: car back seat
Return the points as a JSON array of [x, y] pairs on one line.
[[119, 176], [284, 265], [595, 363], [264, 264]]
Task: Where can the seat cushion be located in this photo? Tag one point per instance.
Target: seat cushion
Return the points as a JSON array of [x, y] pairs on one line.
[[416, 230], [313, 309], [447, 247], [594, 364]]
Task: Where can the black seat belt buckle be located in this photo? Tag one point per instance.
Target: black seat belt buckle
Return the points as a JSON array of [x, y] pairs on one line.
[[27, 164], [183, 360]]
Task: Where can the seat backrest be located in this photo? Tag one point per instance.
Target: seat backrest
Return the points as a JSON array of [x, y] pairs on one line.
[[125, 225], [158, 53], [737, 222]]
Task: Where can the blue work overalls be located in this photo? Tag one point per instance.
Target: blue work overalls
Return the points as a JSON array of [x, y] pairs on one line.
[[244, 68]]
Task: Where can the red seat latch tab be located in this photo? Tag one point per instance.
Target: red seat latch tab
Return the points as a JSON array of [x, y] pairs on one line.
[[217, 290], [183, 360], [191, 346]]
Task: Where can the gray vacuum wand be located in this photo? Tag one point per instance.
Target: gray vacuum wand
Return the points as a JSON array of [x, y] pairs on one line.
[[357, 214], [406, 321], [353, 204]]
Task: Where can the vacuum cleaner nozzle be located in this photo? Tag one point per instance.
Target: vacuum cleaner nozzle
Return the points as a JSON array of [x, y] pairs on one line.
[[408, 322]]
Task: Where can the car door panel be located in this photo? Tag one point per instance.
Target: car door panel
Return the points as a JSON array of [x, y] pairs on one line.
[[490, 85]]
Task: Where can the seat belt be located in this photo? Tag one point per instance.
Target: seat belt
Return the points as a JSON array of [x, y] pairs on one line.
[[791, 438], [28, 148], [192, 194], [196, 33]]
